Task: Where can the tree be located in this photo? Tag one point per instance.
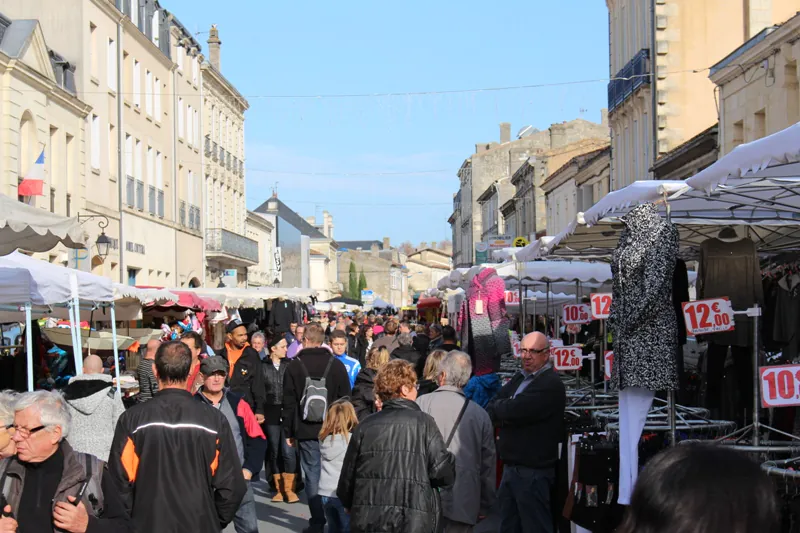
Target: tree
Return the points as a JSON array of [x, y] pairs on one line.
[[407, 248], [352, 286], [362, 283]]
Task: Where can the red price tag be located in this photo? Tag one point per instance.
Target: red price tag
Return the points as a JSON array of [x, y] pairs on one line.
[[601, 305], [567, 357], [576, 314], [780, 385], [608, 360], [708, 316]]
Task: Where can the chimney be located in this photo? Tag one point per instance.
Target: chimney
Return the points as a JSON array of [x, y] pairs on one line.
[[374, 249], [433, 245], [558, 135], [423, 245], [505, 132], [214, 48], [386, 243], [604, 117], [312, 221]]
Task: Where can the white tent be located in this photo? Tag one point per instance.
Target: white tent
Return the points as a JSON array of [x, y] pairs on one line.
[[557, 271], [36, 230]]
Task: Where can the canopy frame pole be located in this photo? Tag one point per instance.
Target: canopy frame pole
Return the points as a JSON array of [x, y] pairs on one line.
[[114, 344], [76, 309], [547, 311], [76, 352], [29, 345]]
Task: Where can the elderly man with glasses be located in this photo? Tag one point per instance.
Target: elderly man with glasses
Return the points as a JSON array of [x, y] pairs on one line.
[[48, 486], [529, 411]]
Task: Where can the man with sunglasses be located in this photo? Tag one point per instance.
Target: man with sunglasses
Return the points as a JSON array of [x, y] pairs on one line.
[[48, 486], [529, 411]]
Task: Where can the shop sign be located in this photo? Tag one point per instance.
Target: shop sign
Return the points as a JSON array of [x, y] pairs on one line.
[[576, 314], [608, 360], [567, 357], [367, 296], [481, 252], [601, 305], [708, 316], [780, 385], [521, 242], [499, 242]]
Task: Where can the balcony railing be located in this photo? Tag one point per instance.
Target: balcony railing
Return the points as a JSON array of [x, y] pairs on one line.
[[161, 204], [226, 242], [214, 151], [194, 217], [631, 77], [208, 146], [182, 214], [241, 168], [151, 200], [130, 190], [235, 165], [228, 162], [140, 195], [221, 155]]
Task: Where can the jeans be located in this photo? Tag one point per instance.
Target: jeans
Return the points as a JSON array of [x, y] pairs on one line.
[[246, 520], [311, 461], [276, 436], [338, 520], [525, 499]]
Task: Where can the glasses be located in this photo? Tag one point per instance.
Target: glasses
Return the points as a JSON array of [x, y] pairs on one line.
[[25, 433], [526, 351]]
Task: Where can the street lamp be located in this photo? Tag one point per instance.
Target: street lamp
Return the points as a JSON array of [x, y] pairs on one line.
[[103, 243]]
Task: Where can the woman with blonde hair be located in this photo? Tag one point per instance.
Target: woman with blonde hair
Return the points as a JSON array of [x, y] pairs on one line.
[[363, 389], [430, 372], [396, 461], [334, 438], [8, 447]]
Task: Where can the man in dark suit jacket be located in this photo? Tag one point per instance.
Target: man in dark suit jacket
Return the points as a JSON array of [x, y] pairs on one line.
[[529, 411]]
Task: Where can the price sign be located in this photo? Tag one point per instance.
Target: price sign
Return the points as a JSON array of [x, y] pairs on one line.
[[780, 385], [708, 316], [515, 343], [577, 314], [567, 357], [601, 305], [608, 360]]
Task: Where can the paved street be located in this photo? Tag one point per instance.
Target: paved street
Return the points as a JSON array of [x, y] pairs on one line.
[[284, 518]]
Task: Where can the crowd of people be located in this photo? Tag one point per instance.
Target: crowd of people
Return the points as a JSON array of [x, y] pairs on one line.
[[367, 417]]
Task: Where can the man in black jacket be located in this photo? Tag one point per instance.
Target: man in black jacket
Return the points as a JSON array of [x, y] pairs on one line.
[[246, 378], [529, 411], [311, 361], [406, 351], [173, 459]]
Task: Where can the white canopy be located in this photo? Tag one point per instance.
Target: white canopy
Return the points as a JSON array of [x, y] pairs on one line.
[[36, 230], [15, 286], [382, 304], [534, 250], [94, 340], [128, 292], [537, 301], [557, 271]]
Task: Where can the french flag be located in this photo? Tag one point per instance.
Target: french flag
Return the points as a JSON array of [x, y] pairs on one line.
[[33, 183]]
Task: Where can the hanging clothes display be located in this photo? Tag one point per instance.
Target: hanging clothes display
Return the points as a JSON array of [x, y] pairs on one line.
[[644, 326], [488, 322], [281, 315]]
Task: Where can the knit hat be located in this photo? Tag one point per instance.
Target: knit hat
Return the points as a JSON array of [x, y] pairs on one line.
[[274, 341], [209, 365]]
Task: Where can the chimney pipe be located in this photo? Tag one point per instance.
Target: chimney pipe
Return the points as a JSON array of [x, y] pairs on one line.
[[505, 132], [214, 45], [386, 243]]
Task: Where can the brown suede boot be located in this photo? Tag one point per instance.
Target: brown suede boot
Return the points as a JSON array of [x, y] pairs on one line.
[[288, 488], [278, 495]]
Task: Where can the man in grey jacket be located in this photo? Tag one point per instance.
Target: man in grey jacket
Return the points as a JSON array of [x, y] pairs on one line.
[[470, 437]]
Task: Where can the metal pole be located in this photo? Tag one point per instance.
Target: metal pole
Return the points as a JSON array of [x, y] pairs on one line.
[[75, 353], [114, 342], [756, 395], [673, 438], [603, 349], [547, 310], [76, 308], [521, 306], [29, 345]]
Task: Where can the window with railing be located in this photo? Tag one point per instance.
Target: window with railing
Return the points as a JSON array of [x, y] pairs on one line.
[[130, 189], [214, 151], [228, 163], [235, 165], [632, 76], [241, 168], [140, 195], [221, 155], [182, 214], [208, 146], [226, 242], [151, 200]]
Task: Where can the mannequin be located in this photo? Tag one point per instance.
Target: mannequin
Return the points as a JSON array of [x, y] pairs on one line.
[[644, 326]]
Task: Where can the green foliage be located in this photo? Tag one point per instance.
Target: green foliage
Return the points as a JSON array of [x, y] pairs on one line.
[[352, 285]]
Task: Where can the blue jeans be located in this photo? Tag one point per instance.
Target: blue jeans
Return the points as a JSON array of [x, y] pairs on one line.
[[311, 462], [246, 520], [338, 520], [525, 499], [276, 436]]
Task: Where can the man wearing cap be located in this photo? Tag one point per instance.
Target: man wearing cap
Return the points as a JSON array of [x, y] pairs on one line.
[[251, 445], [244, 376]]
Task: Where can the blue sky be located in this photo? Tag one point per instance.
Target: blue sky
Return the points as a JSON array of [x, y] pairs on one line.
[[339, 153]]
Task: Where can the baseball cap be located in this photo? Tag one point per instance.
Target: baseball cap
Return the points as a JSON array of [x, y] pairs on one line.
[[233, 324], [209, 365]]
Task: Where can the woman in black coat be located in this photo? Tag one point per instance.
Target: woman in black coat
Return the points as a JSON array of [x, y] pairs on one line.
[[363, 344], [363, 396], [395, 462]]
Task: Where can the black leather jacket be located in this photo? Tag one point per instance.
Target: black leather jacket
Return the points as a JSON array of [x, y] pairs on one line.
[[394, 465], [273, 380]]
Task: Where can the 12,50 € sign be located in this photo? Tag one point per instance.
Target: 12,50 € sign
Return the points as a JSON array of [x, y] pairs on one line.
[[780, 385], [567, 357], [577, 314], [708, 316]]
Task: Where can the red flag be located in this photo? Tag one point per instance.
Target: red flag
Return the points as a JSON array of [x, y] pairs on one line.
[[30, 187]]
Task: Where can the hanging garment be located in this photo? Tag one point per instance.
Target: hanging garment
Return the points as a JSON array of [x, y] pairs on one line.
[[731, 269], [281, 316], [634, 404], [642, 317], [488, 321]]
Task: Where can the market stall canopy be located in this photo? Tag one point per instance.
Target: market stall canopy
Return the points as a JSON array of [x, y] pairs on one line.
[[143, 295], [556, 271], [36, 230], [381, 304], [15, 286], [424, 303], [344, 300], [533, 250], [94, 340], [187, 300], [538, 300]]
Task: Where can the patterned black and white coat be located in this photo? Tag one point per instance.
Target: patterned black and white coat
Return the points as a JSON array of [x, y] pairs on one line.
[[642, 317]]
